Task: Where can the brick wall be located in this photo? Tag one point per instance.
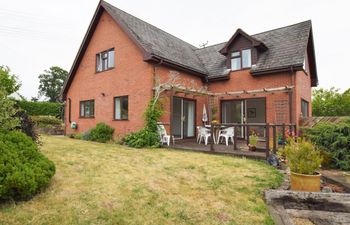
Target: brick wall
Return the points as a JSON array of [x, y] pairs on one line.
[[277, 104], [131, 76]]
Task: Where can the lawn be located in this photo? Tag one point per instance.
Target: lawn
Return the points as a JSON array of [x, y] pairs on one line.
[[111, 184]]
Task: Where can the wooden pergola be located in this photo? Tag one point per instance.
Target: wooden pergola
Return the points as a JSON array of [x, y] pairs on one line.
[[176, 88], [186, 90]]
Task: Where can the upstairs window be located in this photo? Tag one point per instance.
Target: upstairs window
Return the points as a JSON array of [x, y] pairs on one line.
[[87, 109], [246, 58], [241, 59], [235, 60], [121, 108], [105, 60]]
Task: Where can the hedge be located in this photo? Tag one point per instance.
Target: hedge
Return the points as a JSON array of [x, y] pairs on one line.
[[42, 108], [334, 139], [46, 121]]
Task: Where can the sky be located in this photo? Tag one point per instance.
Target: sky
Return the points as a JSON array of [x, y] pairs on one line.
[[38, 34]]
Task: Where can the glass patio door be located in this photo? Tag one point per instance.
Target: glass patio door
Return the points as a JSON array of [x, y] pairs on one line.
[[183, 118], [233, 112]]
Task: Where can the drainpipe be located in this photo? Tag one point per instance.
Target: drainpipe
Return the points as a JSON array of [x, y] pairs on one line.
[[291, 96]]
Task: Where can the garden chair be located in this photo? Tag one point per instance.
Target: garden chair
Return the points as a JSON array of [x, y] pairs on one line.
[[227, 133], [204, 134], [198, 133], [164, 137]]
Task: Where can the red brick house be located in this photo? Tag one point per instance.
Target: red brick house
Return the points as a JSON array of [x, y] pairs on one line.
[[260, 78]]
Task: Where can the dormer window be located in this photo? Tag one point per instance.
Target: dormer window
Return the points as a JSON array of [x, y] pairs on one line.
[[246, 58], [235, 60], [241, 59]]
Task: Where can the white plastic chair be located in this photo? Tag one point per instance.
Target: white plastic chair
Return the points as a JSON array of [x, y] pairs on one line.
[[198, 133], [204, 134], [227, 134], [164, 137]]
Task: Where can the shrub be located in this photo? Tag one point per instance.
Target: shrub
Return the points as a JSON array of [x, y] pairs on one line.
[[46, 121], [143, 138], [8, 120], [101, 133], [148, 136], [333, 139], [302, 157], [85, 136], [253, 139], [42, 108], [24, 171], [27, 125]]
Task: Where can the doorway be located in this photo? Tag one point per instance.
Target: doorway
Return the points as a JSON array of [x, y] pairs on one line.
[[183, 118], [245, 111]]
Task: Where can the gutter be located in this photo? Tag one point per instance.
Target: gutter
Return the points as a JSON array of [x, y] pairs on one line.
[[162, 61], [276, 70]]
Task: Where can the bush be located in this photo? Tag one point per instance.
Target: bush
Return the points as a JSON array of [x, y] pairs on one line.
[[27, 125], [84, 136], [148, 136], [302, 157], [42, 108], [24, 171], [143, 138], [333, 139], [101, 133], [46, 121]]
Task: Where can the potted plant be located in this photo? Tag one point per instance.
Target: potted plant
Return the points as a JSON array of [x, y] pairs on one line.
[[279, 139], [347, 176], [213, 115], [303, 160], [253, 141]]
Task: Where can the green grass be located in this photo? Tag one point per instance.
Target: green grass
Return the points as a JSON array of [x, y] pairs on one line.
[[111, 184]]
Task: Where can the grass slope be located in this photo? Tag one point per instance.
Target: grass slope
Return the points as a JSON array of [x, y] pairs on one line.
[[111, 184]]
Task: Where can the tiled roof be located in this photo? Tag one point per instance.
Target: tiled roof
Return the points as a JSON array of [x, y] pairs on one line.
[[157, 41], [286, 46]]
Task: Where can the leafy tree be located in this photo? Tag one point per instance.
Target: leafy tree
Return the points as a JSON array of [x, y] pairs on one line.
[[330, 102], [8, 85], [51, 83], [8, 82], [8, 121]]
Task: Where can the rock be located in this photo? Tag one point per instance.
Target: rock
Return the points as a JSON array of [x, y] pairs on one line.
[[327, 190]]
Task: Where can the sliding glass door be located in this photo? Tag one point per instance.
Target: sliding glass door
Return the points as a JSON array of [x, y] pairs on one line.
[[245, 111], [233, 112], [183, 117]]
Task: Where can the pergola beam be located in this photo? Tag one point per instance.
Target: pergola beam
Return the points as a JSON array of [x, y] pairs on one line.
[[180, 88]]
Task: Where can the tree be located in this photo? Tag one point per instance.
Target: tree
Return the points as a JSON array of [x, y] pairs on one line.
[[8, 82], [51, 83], [330, 102]]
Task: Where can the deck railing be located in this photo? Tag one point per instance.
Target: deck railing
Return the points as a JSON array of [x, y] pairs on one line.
[[268, 128]]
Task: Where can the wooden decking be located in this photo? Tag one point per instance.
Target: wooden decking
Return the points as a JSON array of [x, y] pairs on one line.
[[192, 145]]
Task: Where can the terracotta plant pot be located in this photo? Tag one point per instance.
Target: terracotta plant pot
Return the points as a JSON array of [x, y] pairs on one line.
[[347, 177], [252, 148], [302, 182]]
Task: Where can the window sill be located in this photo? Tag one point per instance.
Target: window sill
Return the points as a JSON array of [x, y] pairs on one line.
[[96, 72], [247, 68], [120, 119], [90, 117]]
